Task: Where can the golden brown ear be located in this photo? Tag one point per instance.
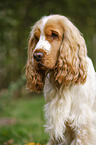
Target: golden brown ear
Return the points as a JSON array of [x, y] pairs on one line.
[[71, 66], [35, 78]]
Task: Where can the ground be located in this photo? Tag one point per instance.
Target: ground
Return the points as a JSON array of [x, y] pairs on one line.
[[21, 121]]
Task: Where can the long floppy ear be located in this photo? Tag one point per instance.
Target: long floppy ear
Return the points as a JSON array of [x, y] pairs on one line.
[[35, 78], [71, 66]]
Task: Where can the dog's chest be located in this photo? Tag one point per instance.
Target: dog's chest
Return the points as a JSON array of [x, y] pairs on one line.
[[57, 113]]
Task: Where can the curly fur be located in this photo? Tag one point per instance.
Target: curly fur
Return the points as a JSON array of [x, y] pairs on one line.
[[35, 78], [71, 64], [69, 80]]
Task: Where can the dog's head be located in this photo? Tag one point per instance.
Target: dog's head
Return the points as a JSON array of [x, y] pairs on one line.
[[55, 45]]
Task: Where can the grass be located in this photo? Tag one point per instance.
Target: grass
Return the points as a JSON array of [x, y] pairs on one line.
[[24, 121]]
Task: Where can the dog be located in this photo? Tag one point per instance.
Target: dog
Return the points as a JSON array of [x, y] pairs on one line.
[[58, 64]]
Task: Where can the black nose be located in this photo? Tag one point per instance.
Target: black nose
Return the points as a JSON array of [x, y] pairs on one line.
[[38, 56]]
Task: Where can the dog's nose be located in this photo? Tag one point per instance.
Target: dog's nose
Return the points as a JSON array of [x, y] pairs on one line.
[[38, 56]]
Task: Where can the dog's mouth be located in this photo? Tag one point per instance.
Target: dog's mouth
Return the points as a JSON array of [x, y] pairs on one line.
[[41, 66]]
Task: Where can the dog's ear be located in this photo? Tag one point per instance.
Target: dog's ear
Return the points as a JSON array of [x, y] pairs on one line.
[[71, 65], [35, 78]]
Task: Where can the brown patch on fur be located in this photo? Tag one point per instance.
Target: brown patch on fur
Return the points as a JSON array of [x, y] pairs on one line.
[[53, 34], [69, 133]]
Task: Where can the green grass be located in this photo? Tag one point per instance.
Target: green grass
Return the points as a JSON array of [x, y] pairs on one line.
[[28, 124]]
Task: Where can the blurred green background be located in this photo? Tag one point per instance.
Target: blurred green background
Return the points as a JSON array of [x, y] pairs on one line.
[[19, 123]]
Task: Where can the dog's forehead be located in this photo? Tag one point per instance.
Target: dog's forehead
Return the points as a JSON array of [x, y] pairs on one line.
[[50, 22], [43, 23]]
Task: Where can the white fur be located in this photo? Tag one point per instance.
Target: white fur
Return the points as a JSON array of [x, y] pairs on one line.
[[76, 105], [43, 43]]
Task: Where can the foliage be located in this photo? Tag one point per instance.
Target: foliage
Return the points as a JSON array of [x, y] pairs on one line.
[[16, 17]]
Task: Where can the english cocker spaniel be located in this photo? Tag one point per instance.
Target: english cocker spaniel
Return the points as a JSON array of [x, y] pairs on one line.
[[58, 62]]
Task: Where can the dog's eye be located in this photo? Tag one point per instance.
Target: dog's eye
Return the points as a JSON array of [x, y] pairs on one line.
[[36, 38], [54, 35]]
